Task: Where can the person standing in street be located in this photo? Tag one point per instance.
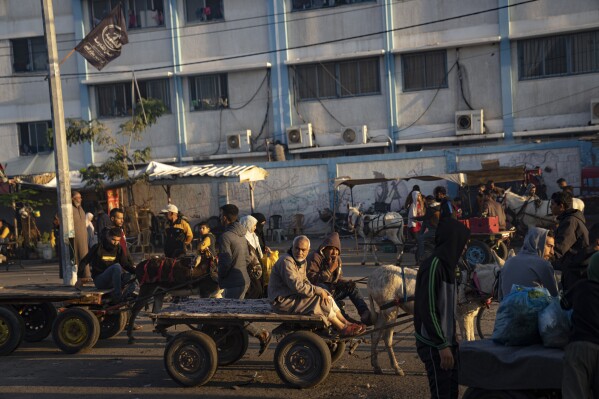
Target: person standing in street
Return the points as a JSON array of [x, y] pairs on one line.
[[435, 306], [80, 241], [178, 233]]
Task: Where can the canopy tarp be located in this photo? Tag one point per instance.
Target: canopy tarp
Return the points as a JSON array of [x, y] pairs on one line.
[[498, 175], [458, 178]]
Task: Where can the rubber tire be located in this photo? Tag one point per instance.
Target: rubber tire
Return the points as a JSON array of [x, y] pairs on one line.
[[76, 330], [501, 250], [480, 317], [232, 347], [38, 319], [478, 393], [191, 343], [478, 253], [113, 324], [314, 354], [338, 352], [12, 330]]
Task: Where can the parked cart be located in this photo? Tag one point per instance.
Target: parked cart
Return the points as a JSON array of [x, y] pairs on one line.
[[303, 356], [76, 318], [481, 244], [492, 371]]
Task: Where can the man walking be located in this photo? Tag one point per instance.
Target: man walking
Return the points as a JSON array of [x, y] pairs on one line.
[[434, 309]]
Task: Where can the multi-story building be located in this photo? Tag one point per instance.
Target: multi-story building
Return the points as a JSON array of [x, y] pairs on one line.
[[411, 87]]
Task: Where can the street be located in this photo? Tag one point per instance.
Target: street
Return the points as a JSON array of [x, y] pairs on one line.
[[115, 369]]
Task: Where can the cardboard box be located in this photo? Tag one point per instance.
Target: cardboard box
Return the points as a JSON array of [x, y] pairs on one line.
[[484, 225]]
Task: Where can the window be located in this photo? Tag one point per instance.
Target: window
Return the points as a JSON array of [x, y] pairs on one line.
[[300, 5], [559, 55], [114, 100], [424, 71], [209, 92], [29, 55], [204, 10], [338, 79], [138, 13], [34, 138]]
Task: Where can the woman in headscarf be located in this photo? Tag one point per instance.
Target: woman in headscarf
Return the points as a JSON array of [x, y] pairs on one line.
[[415, 211], [91, 236], [255, 268], [581, 370], [261, 222]]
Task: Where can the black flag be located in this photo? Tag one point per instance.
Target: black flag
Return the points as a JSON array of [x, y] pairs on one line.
[[103, 44]]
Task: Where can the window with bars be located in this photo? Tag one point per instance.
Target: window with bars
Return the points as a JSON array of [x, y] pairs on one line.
[[114, 100], [559, 55], [300, 5], [204, 10], [29, 55], [138, 13], [209, 92], [34, 138], [339, 79], [424, 71]]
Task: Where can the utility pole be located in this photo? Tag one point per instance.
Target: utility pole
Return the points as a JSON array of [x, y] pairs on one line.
[[61, 157]]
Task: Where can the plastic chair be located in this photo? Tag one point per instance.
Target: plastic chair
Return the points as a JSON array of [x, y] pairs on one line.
[[274, 232], [297, 224]]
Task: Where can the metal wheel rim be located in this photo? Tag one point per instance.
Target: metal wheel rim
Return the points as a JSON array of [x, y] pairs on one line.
[[189, 359], [301, 360], [4, 332], [475, 255], [74, 331], [34, 317]]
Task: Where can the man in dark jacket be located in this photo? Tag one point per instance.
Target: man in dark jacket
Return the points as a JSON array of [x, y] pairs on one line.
[[102, 221], [108, 265], [434, 309], [446, 207], [324, 270], [233, 260], [571, 238], [177, 234]]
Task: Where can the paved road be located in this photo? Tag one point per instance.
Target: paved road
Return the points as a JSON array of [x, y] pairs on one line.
[[114, 369]]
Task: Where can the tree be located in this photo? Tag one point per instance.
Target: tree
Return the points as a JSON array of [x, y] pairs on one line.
[[122, 158]]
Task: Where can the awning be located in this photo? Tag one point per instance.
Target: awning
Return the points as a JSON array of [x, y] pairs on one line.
[[195, 174], [458, 178], [34, 165]]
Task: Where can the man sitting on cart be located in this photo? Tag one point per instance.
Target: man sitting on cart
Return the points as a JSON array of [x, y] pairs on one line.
[[324, 270], [110, 266], [493, 208], [290, 291]]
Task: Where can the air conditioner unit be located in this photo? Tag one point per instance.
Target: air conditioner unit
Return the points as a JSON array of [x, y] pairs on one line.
[[469, 122], [239, 142], [300, 136], [354, 135], [595, 112]]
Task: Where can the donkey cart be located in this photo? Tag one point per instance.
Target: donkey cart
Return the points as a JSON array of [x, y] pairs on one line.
[[303, 356]]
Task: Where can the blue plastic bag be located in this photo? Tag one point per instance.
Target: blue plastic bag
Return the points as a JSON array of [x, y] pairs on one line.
[[517, 322], [554, 325]]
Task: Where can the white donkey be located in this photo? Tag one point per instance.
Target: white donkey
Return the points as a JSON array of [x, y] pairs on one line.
[[393, 288], [368, 227], [534, 214]]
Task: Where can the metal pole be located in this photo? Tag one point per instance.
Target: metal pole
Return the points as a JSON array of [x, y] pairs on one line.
[[61, 158], [251, 184]]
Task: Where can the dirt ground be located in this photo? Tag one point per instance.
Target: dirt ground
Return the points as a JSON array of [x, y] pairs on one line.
[[115, 369]]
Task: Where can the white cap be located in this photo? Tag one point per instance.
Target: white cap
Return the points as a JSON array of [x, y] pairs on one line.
[[170, 208]]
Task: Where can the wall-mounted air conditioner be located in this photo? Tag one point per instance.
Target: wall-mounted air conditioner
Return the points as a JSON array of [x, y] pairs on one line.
[[595, 112], [354, 135], [469, 122], [239, 142], [300, 136]]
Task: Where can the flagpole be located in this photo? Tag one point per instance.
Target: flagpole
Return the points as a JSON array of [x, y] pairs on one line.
[[61, 157], [67, 57]]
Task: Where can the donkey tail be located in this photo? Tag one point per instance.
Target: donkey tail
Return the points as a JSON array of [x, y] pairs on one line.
[[374, 315]]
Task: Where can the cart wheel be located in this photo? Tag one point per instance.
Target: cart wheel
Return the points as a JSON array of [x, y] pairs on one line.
[[12, 330], [231, 342], [501, 249], [113, 324], [302, 359], [337, 350], [485, 320], [477, 393], [38, 320], [478, 253], [76, 330], [191, 358]]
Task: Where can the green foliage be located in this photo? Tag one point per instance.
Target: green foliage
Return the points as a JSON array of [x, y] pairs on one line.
[[27, 197], [122, 157]]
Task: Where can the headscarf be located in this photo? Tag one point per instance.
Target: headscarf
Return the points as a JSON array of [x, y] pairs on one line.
[[593, 269], [260, 229], [88, 220], [534, 242], [249, 222], [450, 240]]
